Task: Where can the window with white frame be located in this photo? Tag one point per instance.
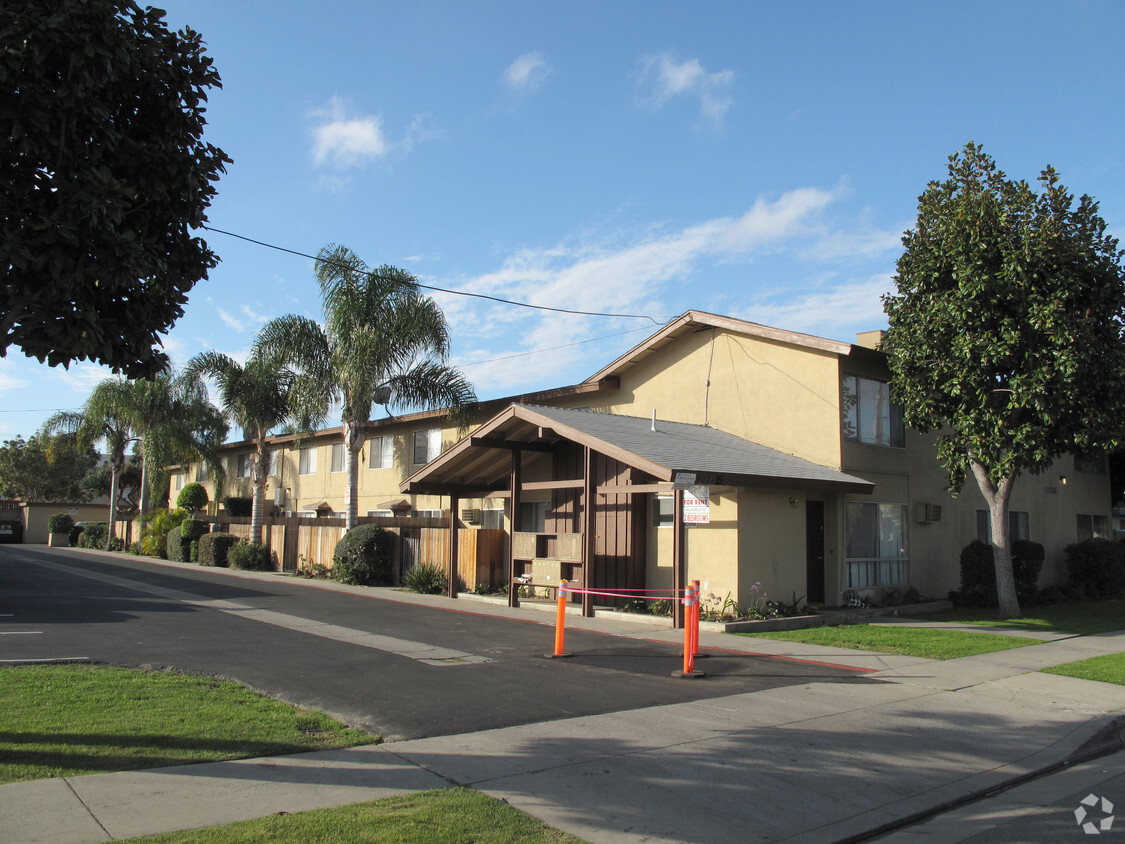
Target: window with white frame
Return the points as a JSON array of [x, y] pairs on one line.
[[243, 469], [1092, 526], [663, 509], [877, 555], [337, 457], [1019, 525], [492, 519], [201, 473], [381, 513], [869, 415], [427, 446], [430, 514], [178, 481], [306, 463], [380, 451]]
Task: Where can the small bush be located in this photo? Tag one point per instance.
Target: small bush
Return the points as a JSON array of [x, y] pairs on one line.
[[238, 505], [60, 523], [1096, 568], [175, 546], [425, 579], [94, 535], [214, 547], [193, 528], [978, 572], [192, 497], [249, 557], [154, 532], [363, 556]]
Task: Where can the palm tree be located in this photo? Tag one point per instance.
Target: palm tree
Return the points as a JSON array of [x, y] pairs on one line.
[[109, 415], [176, 423], [255, 396], [383, 342]]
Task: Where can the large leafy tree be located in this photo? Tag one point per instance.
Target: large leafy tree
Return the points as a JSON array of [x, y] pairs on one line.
[[1005, 332], [256, 396], [104, 174], [43, 468], [383, 342]]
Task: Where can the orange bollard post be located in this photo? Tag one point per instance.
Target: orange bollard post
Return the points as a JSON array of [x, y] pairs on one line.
[[560, 622], [691, 635], [695, 621]]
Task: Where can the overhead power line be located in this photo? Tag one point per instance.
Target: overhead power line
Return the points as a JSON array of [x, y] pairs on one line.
[[497, 299]]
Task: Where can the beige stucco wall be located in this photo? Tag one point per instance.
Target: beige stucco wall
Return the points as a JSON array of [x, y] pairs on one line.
[[781, 395], [36, 515]]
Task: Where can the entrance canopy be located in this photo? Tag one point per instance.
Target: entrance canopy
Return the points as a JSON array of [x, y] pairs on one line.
[[482, 463]]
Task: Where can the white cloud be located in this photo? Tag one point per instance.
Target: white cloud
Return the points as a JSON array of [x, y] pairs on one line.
[[9, 381], [662, 78], [822, 310], [231, 321], [82, 377], [527, 72], [342, 142]]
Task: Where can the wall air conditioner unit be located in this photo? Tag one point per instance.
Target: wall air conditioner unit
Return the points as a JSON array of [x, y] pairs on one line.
[[927, 514], [471, 515]]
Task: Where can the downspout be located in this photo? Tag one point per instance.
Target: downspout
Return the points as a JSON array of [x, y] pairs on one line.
[[707, 385]]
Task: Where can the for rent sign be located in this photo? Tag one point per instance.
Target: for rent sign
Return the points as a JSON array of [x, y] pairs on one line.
[[697, 506]]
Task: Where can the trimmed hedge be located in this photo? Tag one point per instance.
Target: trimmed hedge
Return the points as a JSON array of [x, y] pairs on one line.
[[1096, 568], [193, 528], [193, 497], [362, 557], [247, 557], [59, 523], [978, 572], [175, 545], [238, 505], [214, 548], [94, 535]]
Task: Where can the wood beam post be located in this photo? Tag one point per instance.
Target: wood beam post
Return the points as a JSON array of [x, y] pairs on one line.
[[679, 567], [454, 537], [589, 523], [515, 480]]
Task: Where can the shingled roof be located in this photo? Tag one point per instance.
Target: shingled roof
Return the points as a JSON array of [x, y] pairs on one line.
[[672, 448]]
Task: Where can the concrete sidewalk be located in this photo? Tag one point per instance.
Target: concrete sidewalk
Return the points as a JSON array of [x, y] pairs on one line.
[[816, 762]]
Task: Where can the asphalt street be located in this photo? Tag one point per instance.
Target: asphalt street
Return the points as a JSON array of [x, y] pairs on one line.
[[400, 670]]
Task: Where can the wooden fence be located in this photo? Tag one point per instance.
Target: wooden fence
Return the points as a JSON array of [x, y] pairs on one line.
[[301, 542]]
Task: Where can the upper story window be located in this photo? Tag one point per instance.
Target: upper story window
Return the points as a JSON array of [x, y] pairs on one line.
[[201, 473], [337, 457], [380, 452], [427, 446], [306, 465], [178, 481], [243, 468], [869, 416]]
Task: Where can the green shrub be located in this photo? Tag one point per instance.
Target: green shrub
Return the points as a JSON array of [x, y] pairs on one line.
[[978, 572], [214, 547], [175, 546], [154, 531], [192, 497], [363, 556], [425, 579], [1096, 568], [249, 557], [194, 528], [238, 505], [94, 535], [59, 523]]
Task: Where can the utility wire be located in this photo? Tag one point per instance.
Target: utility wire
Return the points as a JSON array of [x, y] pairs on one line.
[[656, 320]]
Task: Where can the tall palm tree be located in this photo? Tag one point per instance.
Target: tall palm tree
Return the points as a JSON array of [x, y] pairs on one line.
[[109, 415], [383, 342], [256, 396], [176, 423]]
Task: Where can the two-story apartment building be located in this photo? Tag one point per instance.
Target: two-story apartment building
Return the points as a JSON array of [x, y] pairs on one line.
[[749, 458]]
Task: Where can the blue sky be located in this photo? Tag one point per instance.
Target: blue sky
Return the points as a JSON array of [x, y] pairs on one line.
[[759, 160]]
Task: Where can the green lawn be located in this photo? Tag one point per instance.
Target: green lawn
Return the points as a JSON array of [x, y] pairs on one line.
[[1106, 669], [444, 815], [895, 639], [65, 720], [1083, 619]]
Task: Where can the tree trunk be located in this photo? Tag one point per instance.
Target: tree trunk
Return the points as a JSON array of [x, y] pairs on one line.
[[997, 497], [114, 470], [259, 478], [353, 444]]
